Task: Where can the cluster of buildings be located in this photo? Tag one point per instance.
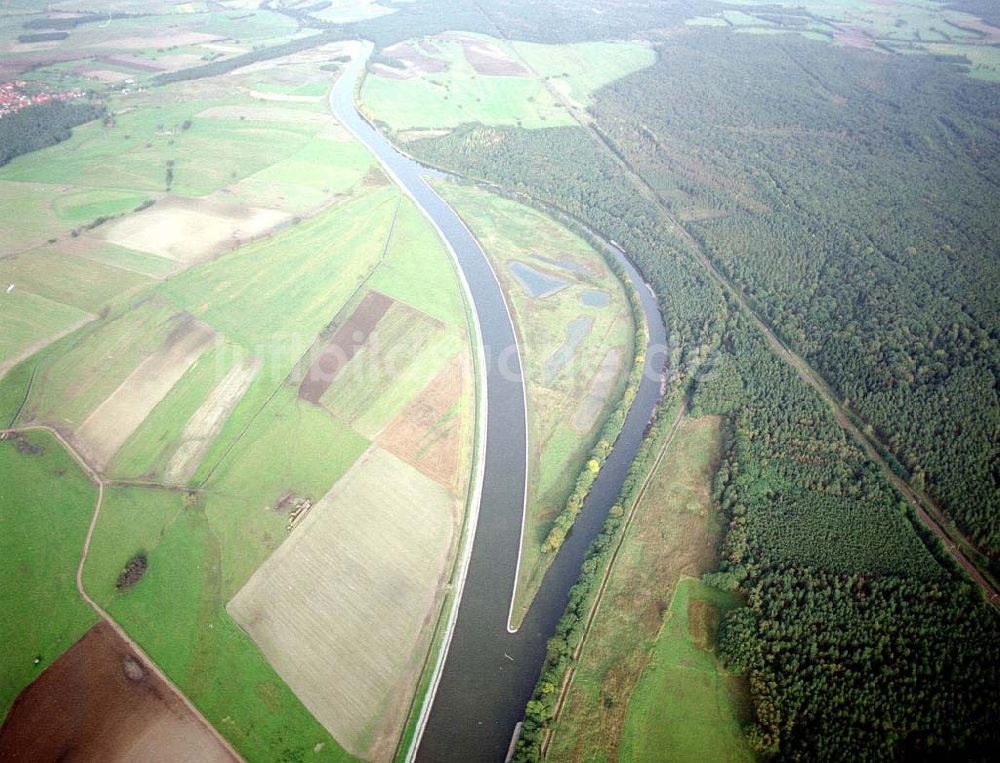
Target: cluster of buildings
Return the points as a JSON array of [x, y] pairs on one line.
[[13, 96]]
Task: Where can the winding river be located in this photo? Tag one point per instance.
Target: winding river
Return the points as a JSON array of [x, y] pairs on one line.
[[489, 672]]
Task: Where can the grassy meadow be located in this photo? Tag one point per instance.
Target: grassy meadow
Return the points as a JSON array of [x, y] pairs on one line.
[[95, 312], [525, 84], [46, 504], [673, 534], [564, 343], [685, 707]]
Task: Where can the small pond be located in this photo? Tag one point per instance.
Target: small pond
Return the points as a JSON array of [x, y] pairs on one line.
[[595, 298], [535, 282]]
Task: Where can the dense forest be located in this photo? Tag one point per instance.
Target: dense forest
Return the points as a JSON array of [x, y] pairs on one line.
[[857, 642], [857, 209], [41, 125], [564, 167], [854, 198]]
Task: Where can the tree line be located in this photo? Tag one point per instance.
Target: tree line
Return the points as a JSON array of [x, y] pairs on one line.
[[43, 124]]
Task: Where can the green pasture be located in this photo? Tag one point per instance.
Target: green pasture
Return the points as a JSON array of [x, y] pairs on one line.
[[418, 270], [672, 534], [132, 520], [31, 205], [132, 156], [106, 253], [274, 296], [94, 362], [580, 69], [176, 613], [458, 95], [685, 707], [46, 504], [310, 177], [74, 281], [291, 445], [27, 319]]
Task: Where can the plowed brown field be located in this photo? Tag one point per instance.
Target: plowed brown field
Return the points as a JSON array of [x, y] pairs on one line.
[[98, 702]]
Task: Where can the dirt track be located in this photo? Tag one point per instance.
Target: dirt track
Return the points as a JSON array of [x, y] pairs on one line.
[[929, 513], [147, 664]]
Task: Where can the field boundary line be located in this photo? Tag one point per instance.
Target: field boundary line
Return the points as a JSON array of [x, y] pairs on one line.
[[599, 596], [239, 438], [27, 394], [102, 614], [476, 484]]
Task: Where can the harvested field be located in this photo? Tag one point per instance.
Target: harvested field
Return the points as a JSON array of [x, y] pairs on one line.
[[343, 609], [350, 337], [408, 135], [110, 424], [414, 62], [427, 434], [99, 702], [204, 426], [600, 387], [285, 97], [400, 356], [489, 59], [191, 229]]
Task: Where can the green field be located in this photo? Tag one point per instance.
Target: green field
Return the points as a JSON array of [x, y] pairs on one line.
[[532, 97], [94, 362], [69, 279], [28, 319], [673, 533], [46, 503], [147, 452], [268, 301], [685, 707], [512, 233], [915, 26], [288, 288], [177, 614]]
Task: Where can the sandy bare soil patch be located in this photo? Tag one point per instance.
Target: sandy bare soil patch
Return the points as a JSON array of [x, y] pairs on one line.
[[206, 423], [344, 609], [188, 230], [98, 702], [489, 59], [428, 431], [601, 386], [348, 339], [287, 97], [113, 421], [103, 75]]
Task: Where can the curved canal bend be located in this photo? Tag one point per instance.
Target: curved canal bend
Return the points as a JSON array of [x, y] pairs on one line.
[[489, 673]]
